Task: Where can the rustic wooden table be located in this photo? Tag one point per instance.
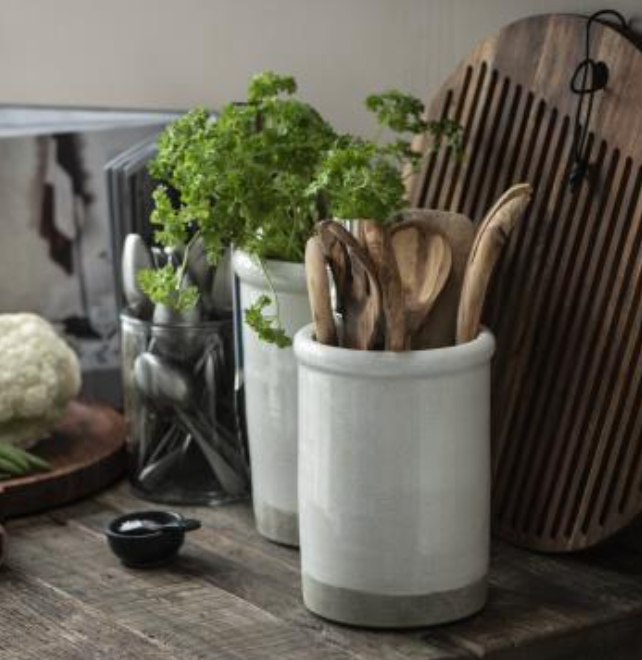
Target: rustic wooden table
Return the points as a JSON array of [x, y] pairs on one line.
[[63, 596]]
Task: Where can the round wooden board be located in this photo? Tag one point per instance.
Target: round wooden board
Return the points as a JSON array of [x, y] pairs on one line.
[[565, 305], [87, 453]]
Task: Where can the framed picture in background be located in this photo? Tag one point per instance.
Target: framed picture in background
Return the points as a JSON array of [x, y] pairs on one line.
[[56, 251]]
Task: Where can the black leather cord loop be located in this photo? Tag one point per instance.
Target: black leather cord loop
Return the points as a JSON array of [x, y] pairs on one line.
[[589, 77]]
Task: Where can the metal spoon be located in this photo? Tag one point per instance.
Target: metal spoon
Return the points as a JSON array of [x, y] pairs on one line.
[[164, 386], [155, 471], [136, 257], [167, 441], [221, 293], [175, 255], [202, 274], [175, 392], [159, 257], [197, 264], [174, 333]]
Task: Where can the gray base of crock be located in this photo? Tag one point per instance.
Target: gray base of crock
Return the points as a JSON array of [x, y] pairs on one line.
[[361, 608], [276, 525]]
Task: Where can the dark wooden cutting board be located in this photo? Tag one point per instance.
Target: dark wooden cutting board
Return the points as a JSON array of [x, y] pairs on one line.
[[87, 453], [566, 301]]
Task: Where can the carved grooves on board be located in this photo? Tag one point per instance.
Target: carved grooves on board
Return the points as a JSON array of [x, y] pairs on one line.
[[569, 460]]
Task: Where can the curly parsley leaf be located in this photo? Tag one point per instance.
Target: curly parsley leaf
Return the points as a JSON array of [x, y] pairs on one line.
[[448, 132], [164, 286], [267, 327], [268, 84], [397, 111], [365, 178]]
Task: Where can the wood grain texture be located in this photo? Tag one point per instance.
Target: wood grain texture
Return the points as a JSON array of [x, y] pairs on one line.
[[358, 293], [363, 313], [459, 231], [359, 297], [425, 260], [491, 237], [231, 594], [564, 303], [86, 452], [38, 621], [319, 292], [376, 240]]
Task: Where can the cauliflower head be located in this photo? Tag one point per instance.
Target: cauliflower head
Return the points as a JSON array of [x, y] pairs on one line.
[[39, 375]]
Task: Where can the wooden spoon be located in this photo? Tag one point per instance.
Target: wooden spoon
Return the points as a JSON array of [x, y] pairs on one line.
[[376, 240], [490, 239], [424, 260], [319, 292], [363, 302], [440, 328], [357, 288], [334, 238]]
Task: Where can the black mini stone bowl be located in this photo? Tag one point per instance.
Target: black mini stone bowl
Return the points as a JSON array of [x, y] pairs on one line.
[[145, 548]]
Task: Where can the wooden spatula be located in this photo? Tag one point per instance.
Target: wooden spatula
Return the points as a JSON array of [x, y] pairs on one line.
[[376, 240], [319, 292], [424, 260], [492, 234]]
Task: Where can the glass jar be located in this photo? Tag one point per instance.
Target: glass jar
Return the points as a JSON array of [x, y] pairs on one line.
[[178, 387]]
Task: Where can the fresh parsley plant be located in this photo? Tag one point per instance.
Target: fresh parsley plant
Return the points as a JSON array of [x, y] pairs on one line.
[[261, 174]]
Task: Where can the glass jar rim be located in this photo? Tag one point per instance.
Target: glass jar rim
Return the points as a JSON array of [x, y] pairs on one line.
[[128, 318]]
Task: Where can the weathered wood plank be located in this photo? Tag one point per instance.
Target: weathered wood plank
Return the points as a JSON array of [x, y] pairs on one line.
[[41, 623], [536, 601], [553, 604], [174, 606], [235, 595], [256, 572]]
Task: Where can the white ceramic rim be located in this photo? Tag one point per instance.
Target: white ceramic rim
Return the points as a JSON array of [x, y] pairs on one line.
[[392, 364], [285, 275]]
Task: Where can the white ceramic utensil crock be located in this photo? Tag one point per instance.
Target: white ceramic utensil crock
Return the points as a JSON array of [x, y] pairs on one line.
[[394, 481], [271, 396]]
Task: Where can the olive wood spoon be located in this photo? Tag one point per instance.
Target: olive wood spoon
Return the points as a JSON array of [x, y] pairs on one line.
[[319, 292], [334, 238], [357, 288], [424, 260], [440, 328], [492, 235], [377, 242], [363, 302]]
